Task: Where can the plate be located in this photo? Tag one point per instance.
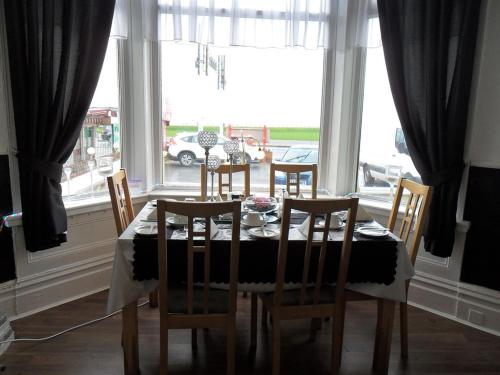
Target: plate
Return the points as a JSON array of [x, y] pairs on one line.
[[321, 224], [175, 223], [146, 230], [371, 232], [269, 233], [271, 218]]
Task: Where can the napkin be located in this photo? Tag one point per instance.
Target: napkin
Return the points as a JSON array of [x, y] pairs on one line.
[[213, 229], [362, 215], [152, 216], [304, 227]]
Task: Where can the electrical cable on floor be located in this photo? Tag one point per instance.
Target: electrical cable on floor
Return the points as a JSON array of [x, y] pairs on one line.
[[69, 329]]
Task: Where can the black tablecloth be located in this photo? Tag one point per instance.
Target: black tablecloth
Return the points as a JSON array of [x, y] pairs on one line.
[[371, 260]]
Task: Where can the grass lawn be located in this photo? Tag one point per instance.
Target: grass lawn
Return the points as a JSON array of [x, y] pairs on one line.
[[173, 130], [278, 134], [295, 134]]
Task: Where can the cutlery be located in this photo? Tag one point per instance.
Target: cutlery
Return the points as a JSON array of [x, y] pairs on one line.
[[263, 229]]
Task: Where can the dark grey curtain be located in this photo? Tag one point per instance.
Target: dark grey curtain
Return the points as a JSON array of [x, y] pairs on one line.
[[429, 52], [56, 50]]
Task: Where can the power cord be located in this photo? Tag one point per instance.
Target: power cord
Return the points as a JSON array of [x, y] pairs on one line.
[[69, 329]]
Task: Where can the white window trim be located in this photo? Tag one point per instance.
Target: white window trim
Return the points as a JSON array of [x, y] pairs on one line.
[[342, 105]]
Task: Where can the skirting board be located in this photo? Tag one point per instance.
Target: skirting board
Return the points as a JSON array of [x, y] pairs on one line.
[[6, 333], [46, 290], [467, 304]]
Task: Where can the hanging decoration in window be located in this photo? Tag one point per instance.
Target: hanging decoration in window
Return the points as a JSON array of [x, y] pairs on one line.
[[204, 62]]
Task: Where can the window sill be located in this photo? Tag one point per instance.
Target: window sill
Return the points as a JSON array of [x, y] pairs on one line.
[[382, 208], [87, 206]]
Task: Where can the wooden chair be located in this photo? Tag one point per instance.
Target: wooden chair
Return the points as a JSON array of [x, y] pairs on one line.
[[224, 170], [294, 170], [193, 307], [123, 210], [310, 302], [417, 203]]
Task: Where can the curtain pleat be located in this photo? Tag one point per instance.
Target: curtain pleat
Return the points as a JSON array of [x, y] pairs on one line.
[[429, 48], [250, 23], [56, 50]]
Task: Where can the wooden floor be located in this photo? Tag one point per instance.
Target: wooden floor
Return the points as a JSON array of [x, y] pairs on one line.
[[437, 345]]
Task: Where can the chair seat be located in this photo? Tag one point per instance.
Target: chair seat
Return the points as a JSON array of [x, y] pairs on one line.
[[218, 300], [292, 297]]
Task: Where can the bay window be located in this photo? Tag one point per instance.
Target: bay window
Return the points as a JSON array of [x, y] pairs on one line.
[[281, 81]]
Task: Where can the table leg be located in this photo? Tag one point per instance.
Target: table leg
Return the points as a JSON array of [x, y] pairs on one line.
[[130, 339], [385, 322]]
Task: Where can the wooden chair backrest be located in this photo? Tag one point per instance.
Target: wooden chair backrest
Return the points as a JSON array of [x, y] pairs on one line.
[[224, 170], [316, 207], [294, 170], [418, 202], [123, 210], [205, 210]]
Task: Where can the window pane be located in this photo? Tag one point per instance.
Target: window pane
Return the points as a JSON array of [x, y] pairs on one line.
[[97, 151], [267, 99], [383, 155]]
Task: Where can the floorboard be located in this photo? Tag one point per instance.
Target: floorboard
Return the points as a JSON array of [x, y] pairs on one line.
[[437, 345]]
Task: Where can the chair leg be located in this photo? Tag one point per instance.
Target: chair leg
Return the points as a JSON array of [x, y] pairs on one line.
[[276, 344], [337, 339], [403, 328], [194, 339], [231, 346], [153, 299], [253, 321], [264, 316], [163, 350]]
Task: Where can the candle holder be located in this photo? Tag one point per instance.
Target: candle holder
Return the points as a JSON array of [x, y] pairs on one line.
[[231, 147], [91, 165], [213, 162], [207, 140], [67, 172]]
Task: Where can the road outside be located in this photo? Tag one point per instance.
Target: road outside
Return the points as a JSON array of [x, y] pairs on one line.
[[175, 174]]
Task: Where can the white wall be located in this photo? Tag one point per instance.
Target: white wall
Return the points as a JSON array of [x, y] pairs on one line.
[[484, 140]]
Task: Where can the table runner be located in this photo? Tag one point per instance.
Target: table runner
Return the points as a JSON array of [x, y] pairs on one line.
[[371, 261]]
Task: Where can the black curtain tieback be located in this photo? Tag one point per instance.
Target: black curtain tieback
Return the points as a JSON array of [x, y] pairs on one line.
[[50, 169], [442, 176]]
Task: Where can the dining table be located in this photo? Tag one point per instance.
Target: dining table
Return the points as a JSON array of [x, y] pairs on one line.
[[379, 268]]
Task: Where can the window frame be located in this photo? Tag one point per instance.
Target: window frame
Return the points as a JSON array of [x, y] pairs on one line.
[[139, 72]]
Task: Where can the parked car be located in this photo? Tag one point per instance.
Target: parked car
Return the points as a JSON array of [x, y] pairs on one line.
[[388, 164], [185, 149], [298, 154]]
